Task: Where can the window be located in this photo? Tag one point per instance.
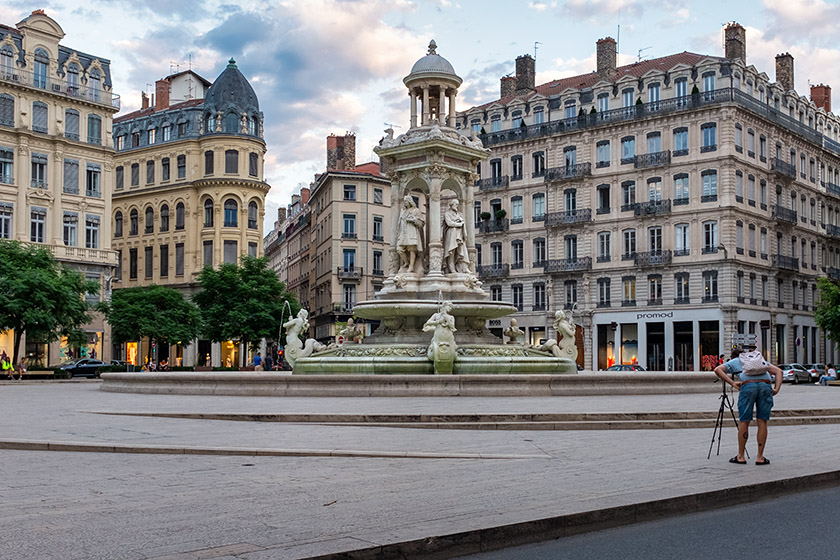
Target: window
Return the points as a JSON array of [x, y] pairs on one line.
[[349, 192], [628, 195], [709, 85], [230, 251], [118, 224], [603, 199], [762, 147], [539, 252], [164, 217], [627, 97], [539, 296], [570, 293], [602, 150], [42, 60], [167, 132], [515, 168], [150, 172], [539, 207], [655, 239], [682, 239], [377, 229], [208, 213], [495, 123], [135, 139], [750, 142], [496, 255], [37, 224], [183, 128], [681, 192], [495, 169], [71, 124], [377, 196], [349, 231], [516, 293], [538, 164], [94, 130], [751, 189], [92, 232], [150, 220], [135, 174], [349, 260], [516, 210], [681, 88], [208, 162], [495, 293], [570, 110], [604, 292], [628, 149], [39, 116], [71, 229], [148, 261], [120, 177], [570, 247], [7, 162], [377, 263], [763, 193], [654, 142], [516, 117], [604, 246], [7, 61], [231, 218], [570, 200], [179, 216], [709, 133], [518, 252], [71, 176], [681, 287], [739, 237], [629, 285], [655, 189], [208, 253], [253, 211], [182, 166], [710, 285], [6, 215], [539, 115], [653, 96], [654, 289], [710, 237], [739, 138], [709, 186], [179, 259], [570, 156], [39, 170], [133, 222], [132, 263], [680, 141], [164, 169], [629, 246], [478, 254], [231, 161], [164, 261], [92, 182], [739, 186]]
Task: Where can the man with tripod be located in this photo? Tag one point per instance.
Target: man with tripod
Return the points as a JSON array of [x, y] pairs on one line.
[[754, 390]]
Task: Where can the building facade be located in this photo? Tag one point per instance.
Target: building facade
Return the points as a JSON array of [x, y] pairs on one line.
[[189, 192], [670, 203], [56, 173]]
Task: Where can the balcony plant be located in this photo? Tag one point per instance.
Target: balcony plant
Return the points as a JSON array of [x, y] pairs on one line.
[[485, 216], [500, 214]]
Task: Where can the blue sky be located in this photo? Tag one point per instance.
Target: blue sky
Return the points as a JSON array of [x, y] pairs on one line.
[[331, 66]]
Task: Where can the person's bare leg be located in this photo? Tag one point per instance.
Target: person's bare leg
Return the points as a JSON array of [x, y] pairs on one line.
[[761, 437], [743, 436]]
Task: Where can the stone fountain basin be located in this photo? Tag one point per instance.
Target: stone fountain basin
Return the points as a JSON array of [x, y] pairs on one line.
[[380, 309]]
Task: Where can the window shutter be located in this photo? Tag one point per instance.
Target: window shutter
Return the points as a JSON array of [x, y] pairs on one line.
[[71, 124], [252, 169], [39, 117], [71, 176], [7, 110]]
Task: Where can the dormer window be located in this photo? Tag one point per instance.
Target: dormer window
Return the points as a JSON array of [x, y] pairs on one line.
[[72, 79], [539, 115], [209, 123], [42, 61], [94, 84], [517, 119], [495, 123], [231, 123], [570, 109]]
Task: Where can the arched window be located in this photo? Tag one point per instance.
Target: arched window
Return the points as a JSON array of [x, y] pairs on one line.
[[7, 61], [118, 224], [179, 215], [42, 61], [208, 213], [133, 222], [150, 220], [94, 84], [164, 217], [231, 209], [231, 123], [72, 79], [252, 215], [253, 126]]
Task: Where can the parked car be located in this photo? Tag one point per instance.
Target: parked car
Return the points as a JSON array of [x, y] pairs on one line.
[[86, 367], [626, 367], [816, 370], [795, 373]]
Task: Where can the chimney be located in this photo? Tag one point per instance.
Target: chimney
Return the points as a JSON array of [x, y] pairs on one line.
[[341, 152], [144, 100], [821, 96], [508, 86], [304, 195], [735, 42], [161, 95], [606, 58], [525, 74], [784, 71], [281, 216]]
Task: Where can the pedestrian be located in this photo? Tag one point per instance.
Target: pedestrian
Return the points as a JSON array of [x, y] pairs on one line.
[[6, 365], [21, 369], [830, 375], [754, 391], [164, 364], [258, 362], [268, 365]]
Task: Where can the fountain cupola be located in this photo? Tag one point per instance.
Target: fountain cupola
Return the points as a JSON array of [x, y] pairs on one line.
[[432, 82]]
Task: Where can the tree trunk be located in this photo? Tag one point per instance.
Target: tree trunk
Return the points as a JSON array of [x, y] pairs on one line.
[[16, 349], [243, 355]]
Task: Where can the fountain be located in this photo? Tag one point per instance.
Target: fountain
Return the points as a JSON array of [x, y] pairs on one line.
[[432, 310]]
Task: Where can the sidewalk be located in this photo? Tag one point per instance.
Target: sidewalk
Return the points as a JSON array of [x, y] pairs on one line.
[[113, 505]]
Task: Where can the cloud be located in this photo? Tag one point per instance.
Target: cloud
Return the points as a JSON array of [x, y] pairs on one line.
[[809, 21], [182, 9], [238, 31]]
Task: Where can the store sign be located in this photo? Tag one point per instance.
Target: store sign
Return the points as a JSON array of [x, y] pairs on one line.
[[660, 315]]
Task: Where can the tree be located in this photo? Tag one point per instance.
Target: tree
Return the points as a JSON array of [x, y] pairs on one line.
[[243, 302], [828, 310], [40, 296], [158, 313]]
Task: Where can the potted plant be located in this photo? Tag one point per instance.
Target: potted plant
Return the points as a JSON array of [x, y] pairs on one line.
[[500, 214], [695, 95], [592, 115], [485, 216]]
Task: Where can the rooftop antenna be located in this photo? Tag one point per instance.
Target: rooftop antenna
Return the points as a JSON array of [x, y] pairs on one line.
[[640, 53], [174, 65], [618, 34], [535, 49], [391, 125]]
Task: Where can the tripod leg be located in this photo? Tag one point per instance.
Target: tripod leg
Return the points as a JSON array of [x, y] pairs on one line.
[[718, 431], [735, 421]]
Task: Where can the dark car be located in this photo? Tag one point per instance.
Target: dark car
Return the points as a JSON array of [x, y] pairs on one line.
[[86, 367], [626, 367]]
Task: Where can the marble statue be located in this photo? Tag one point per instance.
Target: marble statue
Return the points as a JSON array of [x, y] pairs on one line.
[[353, 331], [410, 236], [455, 240], [442, 350], [564, 324], [513, 332], [294, 347]]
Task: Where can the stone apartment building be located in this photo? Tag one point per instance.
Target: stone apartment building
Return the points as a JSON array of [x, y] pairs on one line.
[[189, 192], [670, 203], [56, 173]]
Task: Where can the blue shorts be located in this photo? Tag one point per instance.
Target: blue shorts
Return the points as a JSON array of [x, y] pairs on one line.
[[758, 394]]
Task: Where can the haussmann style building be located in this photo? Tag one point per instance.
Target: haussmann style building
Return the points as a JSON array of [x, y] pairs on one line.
[[670, 203]]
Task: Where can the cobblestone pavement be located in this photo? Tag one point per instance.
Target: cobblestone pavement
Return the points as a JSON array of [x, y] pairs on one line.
[[78, 505]]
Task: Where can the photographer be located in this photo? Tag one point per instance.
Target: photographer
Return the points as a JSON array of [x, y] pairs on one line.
[[754, 390]]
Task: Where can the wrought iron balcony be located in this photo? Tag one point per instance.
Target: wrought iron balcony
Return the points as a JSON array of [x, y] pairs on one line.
[[783, 214], [831, 188], [833, 273], [58, 86], [831, 229], [783, 262], [566, 172], [346, 307], [654, 159], [493, 271], [349, 273], [653, 258], [494, 226], [783, 168], [348, 235], [568, 265], [581, 216], [491, 183], [653, 208]]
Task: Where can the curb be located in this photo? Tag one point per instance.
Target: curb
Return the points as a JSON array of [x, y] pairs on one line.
[[539, 530]]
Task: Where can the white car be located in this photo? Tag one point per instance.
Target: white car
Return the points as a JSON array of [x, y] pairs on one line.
[[795, 373]]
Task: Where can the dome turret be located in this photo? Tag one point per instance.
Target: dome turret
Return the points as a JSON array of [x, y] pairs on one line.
[[230, 105], [432, 80]]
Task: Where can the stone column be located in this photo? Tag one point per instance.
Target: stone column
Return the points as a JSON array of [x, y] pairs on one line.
[[413, 95], [442, 106], [425, 106], [396, 208], [55, 214], [469, 205], [435, 231], [452, 115]]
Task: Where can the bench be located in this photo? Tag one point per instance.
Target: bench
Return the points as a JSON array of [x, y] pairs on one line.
[[39, 374]]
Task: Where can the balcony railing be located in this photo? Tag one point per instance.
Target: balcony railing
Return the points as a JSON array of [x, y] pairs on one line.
[[493, 226], [784, 214], [58, 86], [653, 208], [783, 168], [831, 188], [349, 273], [348, 235], [831, 229], [493, 271], [568, 265], [581, 216], [568, 172], [653, 258], [654, 159], [785, 263], [346, 307], [491, 183], [833, 273]]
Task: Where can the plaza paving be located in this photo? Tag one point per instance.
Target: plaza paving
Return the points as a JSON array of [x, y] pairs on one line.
[[300, 503]]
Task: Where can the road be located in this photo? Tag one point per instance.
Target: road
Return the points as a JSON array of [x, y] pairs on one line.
[[801, 526]]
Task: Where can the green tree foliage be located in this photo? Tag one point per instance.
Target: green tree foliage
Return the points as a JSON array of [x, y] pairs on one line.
[[158, 313], [828, 311], [243, 302], [39, 295]]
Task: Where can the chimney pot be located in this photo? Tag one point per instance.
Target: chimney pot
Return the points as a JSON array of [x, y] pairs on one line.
[[784, 71], [341, 152], [606, 58], [525, 74], [821, 96], [735, 42]]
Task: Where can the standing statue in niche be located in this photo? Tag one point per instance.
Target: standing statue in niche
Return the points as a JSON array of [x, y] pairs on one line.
[[442, 350], [294, 347], [455, 240], [564, 324], [410, 236]]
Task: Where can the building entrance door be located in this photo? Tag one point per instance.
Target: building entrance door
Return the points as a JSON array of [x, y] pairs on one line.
[[656, 346]]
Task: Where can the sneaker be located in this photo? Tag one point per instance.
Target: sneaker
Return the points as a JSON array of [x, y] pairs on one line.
[[817, 383]]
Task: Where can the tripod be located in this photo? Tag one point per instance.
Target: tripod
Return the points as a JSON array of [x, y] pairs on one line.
[[725, 403]]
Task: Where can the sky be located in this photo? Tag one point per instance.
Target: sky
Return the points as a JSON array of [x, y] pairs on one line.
[[332, 66]]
